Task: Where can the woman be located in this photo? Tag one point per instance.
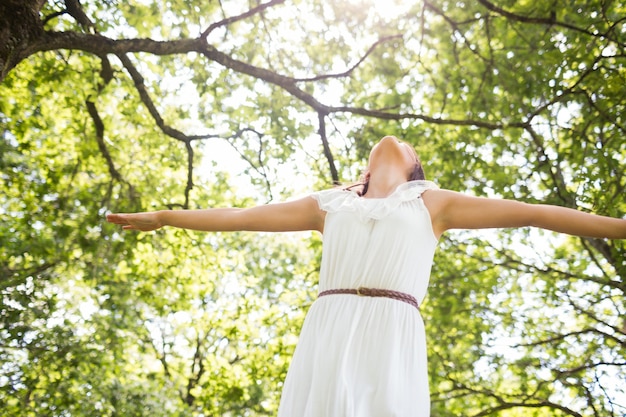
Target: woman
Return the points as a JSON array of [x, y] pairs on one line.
[[362, 349]]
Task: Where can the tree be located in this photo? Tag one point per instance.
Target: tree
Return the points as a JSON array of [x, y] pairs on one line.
[[114, 106]]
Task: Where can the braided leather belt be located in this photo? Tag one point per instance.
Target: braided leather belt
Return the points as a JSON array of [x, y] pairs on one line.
[[374, 292]]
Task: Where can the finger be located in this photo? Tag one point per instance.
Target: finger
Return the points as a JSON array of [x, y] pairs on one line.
[[113, 218], [116, 219]]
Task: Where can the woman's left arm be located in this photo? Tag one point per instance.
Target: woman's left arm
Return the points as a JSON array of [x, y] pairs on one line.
[[453, 210]]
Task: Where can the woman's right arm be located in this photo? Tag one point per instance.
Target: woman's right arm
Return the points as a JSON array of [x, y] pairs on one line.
[[297, 215]]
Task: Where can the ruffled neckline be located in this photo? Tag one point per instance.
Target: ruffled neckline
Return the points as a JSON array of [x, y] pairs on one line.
[[338, 199], [421, 184]]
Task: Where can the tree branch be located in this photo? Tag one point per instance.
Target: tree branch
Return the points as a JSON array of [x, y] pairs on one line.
[[106, 75], [355, 66], [260, 169], [138, 80], [549, 21], [197, 370], [327, 152], [99, 45], [242, 16]]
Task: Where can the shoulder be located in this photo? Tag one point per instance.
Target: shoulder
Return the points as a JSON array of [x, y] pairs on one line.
[[332, 197], [437, 201], [333, 191], [442, 198]]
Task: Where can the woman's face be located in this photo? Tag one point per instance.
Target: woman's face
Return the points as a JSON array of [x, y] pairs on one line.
[[391, 151]]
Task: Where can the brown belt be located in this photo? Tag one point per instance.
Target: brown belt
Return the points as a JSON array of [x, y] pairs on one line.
[[374, 292]]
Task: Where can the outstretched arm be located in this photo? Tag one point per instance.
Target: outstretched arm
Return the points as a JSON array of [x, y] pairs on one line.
[[452, 210], [302, 214]]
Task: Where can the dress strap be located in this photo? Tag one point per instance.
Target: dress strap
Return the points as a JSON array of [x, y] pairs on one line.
[[374, 292]]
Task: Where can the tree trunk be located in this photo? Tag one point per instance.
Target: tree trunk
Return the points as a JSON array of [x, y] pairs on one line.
[[20, 25]]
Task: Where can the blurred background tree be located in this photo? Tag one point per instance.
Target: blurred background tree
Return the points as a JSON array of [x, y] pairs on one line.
[[146, 105]]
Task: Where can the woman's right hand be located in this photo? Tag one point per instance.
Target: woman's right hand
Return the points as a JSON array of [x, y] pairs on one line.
[[144, 222]]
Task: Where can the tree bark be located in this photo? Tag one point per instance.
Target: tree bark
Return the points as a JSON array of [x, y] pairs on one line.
[[20, 25]]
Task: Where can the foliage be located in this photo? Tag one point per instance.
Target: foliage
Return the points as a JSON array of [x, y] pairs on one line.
[[122, 106]]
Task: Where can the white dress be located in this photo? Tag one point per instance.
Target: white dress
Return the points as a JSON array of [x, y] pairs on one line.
[[366, 356]]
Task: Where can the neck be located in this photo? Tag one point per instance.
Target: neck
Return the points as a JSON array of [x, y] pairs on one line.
[[384, 181]]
